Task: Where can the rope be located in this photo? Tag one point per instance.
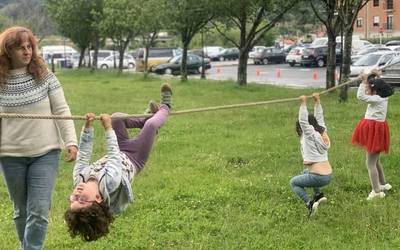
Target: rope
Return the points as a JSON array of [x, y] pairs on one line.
[[181, 112]]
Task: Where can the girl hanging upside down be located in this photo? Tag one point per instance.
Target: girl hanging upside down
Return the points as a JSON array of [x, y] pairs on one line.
[[314, 143], [103, 188]]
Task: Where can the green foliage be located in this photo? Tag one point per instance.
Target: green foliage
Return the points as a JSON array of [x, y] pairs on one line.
[[220, 179], [75, 19]]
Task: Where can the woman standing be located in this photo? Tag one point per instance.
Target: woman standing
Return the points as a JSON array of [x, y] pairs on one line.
[[30, 149]]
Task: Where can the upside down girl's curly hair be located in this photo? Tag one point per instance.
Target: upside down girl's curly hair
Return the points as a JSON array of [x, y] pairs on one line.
[[14, 37], [91, 223]]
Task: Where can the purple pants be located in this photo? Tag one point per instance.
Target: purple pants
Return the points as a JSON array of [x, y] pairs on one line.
[[138, 149]]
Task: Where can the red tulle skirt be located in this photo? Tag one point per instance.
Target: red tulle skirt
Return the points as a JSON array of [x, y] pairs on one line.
[[373, 135]]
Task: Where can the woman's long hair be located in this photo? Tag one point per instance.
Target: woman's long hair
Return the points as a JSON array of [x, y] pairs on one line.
[[14, 37]]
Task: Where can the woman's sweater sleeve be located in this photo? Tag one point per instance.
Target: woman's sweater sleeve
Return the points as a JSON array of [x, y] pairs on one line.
[[362, 96], [59, 106], [319, 115]]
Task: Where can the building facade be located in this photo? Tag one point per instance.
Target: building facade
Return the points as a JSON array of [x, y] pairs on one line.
[[378, 18]]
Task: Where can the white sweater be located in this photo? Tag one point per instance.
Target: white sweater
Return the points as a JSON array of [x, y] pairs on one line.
[[377, 106], [313, 147], [22, 94]]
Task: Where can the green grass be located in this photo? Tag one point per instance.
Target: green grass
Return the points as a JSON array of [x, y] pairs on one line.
[[220, 179]]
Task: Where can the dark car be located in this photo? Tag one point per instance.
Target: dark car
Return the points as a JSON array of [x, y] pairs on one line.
[[270, 54], [173, 66], [229, 54], [318, 56], [391, 73]]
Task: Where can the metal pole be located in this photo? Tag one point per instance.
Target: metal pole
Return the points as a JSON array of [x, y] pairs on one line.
[[203, 70]]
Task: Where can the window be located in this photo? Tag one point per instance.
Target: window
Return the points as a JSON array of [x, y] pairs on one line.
[[376, 2], [376, 21], [389, 4], [359, 22], [389, 21]]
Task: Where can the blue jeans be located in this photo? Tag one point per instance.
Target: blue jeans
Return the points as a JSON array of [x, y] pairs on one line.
[[311, 180], [30, 182]]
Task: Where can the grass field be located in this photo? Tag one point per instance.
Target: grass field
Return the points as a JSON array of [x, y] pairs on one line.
[[220, 179]]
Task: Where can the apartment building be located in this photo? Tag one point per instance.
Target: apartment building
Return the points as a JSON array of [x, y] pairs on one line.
[[378, 18]]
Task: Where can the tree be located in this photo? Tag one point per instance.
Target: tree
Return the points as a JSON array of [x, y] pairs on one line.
[[348, 14], [326, 11], [120, 24], [149, 22], [74, 19], [253, 18], [187, 17], [31, 14]]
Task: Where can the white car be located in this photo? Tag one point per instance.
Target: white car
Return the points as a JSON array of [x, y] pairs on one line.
[[255, 50], [371, 61], [294, 56], [108, 62]]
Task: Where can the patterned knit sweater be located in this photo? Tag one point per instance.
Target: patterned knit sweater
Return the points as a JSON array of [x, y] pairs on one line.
[[24, 137]]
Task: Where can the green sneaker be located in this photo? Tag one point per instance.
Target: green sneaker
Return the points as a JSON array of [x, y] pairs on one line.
[[166, 94], [152, 108]]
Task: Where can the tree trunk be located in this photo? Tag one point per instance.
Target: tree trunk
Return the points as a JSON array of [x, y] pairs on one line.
[[81, 56], [331, 61], [95, 54], [146, 60], [184, 64], [242, 68], [348, 39]]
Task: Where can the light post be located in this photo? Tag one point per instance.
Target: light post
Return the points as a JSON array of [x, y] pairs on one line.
[[203, 70]]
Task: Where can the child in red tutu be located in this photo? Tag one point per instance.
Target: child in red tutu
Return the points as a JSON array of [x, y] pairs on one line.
[[372, 132]]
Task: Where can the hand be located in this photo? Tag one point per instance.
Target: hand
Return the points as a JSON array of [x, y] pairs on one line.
[[70, 153], [303, 99], [89, 120], [106, 121], [316, 97]]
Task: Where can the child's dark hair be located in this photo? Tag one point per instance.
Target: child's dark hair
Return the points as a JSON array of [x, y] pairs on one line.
[[382, 88], [90, 223], [313, 122]]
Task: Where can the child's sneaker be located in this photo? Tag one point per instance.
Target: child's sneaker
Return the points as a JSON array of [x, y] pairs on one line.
[[166, 94], [320, 198], [386, 187], [374, 195], [312, 208], [152, 108]]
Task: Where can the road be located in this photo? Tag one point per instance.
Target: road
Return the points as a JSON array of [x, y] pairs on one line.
[[277, 74]]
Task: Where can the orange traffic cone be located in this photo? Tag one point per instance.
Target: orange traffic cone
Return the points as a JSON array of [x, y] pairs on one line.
[[315, 75], [278, 73], [218, 70], [258, 72]]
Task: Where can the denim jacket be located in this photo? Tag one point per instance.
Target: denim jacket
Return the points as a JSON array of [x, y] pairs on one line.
[[114, 172]]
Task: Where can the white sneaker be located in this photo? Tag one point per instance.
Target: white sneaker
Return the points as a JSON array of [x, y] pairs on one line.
[[374, 195], [386, 187]]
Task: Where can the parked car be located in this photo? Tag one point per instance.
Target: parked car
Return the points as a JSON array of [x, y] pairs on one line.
[[368, 50], [318, 56], [173, 67], [213, 52], [254, 50], [294, 56], [391, 74], [229, 54], [370, 61], [109, 62], [393, 43], [156, 56], [270, 54]]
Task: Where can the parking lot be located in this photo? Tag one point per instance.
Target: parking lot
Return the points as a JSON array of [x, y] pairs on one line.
[[276, 74]]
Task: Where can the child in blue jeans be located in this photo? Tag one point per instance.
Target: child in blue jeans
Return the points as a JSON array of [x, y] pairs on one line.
[[314, 143], [103, 188]]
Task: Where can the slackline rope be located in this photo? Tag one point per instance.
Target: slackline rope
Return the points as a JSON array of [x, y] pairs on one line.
[[181, 112]]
